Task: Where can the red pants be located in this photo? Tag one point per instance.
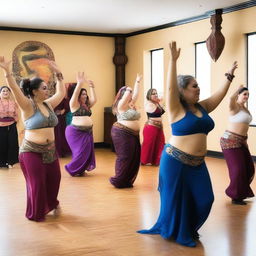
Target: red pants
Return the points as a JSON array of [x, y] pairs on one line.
[[153, 144]]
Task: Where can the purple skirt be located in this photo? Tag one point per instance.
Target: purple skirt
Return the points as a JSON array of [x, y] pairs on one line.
[[82, 147], [127, 147]]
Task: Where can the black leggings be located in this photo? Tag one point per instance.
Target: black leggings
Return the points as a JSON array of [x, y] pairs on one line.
[[9, 147]]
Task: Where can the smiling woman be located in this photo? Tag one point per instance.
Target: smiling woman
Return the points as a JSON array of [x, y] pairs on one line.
[[8, 131], [38, 159]]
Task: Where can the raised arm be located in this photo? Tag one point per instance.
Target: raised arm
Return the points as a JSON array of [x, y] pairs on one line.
[[212, 102], [20, 98], [74, 103], [172, 92], [233, 106], [59, 95], [93, 98], [136, 88], [124, 102]]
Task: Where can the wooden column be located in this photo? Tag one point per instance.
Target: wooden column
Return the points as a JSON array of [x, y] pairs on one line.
[[120, 60]]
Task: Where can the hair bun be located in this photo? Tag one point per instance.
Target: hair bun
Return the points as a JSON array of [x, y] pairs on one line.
[[25, 86]]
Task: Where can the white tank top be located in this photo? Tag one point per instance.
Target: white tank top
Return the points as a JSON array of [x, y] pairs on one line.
[[241, 117]]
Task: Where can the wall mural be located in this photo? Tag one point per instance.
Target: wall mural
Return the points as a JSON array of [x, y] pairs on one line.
[[30, 60]]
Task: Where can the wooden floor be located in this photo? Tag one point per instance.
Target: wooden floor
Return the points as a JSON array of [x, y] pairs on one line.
[[97, 219]]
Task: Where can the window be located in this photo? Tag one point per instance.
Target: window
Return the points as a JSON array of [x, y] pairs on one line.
[[157, 71], [203, 70], [251, 74]]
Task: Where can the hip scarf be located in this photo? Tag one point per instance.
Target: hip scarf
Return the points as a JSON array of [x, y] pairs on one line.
[[231, 140], [83, 128], [155, 123], [184, 157], [47, 150], [127, 129]]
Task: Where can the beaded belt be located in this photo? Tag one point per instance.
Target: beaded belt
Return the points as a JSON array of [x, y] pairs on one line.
[[184, 157], [232, 140], [123, 127], [155, 123], [47, 150], [83, 128]]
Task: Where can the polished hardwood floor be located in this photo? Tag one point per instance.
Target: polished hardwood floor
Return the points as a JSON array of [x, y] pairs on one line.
[[97, 219]]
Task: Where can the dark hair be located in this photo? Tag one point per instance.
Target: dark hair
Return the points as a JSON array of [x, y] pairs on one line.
[[149, 93], [241, 90], [4, 86], [71, 88], [87, 101], [118, 98], [183, 82], [28, 85]]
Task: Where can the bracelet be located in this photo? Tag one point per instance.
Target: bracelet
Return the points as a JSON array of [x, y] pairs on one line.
[[129, 90], [92, 86], [229, 77], [8, 75], [59, 76]]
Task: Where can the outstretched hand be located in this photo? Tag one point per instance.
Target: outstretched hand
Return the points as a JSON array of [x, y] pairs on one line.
[[138, 77], [233, 68], [80, 77], [174, 51], [4, 64]]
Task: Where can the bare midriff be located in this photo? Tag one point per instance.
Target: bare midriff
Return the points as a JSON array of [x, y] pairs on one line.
[[82, 121], [194, 144], [132, 124], [238, 128]]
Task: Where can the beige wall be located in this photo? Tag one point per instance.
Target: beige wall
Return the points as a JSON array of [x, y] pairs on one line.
[[75, 53], [235, 26]]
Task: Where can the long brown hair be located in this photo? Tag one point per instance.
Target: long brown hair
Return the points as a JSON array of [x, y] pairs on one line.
[[118, 98], [85, 104]]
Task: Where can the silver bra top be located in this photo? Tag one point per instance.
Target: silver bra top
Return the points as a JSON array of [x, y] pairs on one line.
[[129, 115]]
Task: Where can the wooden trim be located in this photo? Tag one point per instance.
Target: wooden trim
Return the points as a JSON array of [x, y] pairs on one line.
[[234, 8]]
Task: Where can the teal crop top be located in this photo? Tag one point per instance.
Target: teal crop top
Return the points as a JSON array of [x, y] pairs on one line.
[[38, 120], [129, 115], [192, 124]]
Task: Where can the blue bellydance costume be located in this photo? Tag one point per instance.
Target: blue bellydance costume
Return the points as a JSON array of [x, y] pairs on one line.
[[184, 184]]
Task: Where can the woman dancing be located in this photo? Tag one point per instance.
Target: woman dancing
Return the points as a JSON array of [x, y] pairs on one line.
[[235, 148], [79, 134], [125, 136], [38, 159], [184, 184], [153, 136]]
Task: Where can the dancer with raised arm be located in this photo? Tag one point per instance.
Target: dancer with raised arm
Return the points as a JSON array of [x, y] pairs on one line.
[[235, 148], [184, 183], [125, 136], [153, 135], [79, 134], [38, 159]]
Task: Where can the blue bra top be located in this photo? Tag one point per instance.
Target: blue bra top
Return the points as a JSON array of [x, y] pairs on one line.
[[192, 124], [129, 115], [38, 120]]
